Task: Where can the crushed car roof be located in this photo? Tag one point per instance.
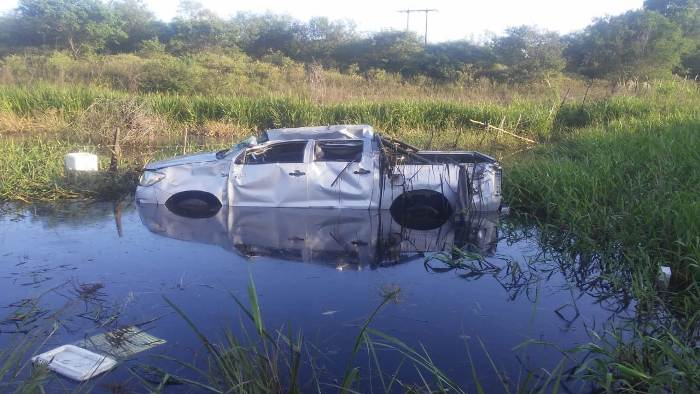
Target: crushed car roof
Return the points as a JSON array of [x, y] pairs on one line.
[[347, 132]]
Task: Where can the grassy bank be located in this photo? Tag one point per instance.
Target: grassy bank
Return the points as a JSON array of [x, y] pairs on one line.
[[47, 121], [533, 118], [624, 183], [235, 74], [628, 195]]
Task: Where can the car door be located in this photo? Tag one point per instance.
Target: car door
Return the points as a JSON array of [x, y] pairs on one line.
[[341, 174], [271, 175]]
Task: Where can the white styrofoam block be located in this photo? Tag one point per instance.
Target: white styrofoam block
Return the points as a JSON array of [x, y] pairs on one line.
[[665, 271], [81, 161], [74, 362]]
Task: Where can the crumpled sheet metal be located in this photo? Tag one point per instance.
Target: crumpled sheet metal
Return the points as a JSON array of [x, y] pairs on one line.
[[204, 176], [315, 183]]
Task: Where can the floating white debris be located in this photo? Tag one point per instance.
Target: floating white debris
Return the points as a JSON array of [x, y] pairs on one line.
[[664, 277], [81, 161], [74, 362], [122, 343], [328, 313]]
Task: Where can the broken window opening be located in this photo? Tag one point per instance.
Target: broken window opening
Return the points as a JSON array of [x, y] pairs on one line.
[[285, 152], [342, 151]]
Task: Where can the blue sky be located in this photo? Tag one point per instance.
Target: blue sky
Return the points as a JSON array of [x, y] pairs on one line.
[[454, 20]]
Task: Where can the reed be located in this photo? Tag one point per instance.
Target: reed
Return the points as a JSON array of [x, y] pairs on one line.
[[277, 361], [542, 120], [627, 194]]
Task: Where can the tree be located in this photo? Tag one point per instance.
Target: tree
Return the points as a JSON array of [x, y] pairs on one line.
[[260, 35], [637, 44], [393, 51], [686, 13], [9, 32], [78, 25], [321, 37], [691, 64], [450, 61], [529, 54], [195, 28], [673, 9], [136, 21]]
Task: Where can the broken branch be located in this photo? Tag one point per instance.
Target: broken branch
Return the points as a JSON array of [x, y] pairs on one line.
[[502, 130]]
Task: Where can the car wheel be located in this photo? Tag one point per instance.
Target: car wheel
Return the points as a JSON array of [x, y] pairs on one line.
[[194, 204], [421, 209]]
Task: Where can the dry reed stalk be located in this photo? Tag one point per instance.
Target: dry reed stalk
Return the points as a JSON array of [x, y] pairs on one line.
[[488, 126]]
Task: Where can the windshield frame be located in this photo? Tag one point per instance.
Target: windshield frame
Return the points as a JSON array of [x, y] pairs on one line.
[[238, 147]]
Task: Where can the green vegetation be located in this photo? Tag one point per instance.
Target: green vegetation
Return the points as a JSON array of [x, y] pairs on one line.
[[45, 122], [628, 193], [541, 119], [33, 170], [623, 183], [624, 47], [612, 181], [156, 125], [659, 39], [275, 361]]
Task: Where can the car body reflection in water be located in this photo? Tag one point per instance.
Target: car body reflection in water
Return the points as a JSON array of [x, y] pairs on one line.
[[342, 238]]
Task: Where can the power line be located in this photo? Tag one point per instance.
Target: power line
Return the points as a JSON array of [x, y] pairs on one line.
[[426, 11]]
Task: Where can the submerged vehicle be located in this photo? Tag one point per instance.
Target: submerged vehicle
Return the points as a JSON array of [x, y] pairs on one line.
[[341, 166]]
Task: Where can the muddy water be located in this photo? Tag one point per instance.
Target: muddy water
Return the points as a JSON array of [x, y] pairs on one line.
[[78, 270]]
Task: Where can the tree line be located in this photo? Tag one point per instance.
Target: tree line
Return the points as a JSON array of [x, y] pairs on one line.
[[661, 39]]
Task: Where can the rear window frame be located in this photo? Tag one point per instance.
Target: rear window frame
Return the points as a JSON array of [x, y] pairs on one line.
[[357, 158], [242, 158]]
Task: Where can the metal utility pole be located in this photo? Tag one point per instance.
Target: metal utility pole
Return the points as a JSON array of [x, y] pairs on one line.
[[408, 14], [426, 11]]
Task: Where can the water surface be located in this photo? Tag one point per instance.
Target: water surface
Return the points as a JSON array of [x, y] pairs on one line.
[[320, 272]]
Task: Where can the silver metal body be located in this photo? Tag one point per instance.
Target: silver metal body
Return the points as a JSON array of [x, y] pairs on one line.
[[343, 166], [352, 237]]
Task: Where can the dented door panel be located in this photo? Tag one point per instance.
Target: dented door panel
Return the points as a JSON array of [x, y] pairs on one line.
[[343, 181], [256, 182]]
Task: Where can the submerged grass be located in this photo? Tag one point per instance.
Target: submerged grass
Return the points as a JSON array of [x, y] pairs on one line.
[[628, 193], [281, 362], [33, 170]]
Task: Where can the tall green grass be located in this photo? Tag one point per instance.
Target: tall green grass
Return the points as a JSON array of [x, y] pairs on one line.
[[278, 361], [536, 119], [33, 169], [628, 194], [630, 186]]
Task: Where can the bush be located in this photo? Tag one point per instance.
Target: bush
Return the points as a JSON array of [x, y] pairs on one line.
[[169, 74]]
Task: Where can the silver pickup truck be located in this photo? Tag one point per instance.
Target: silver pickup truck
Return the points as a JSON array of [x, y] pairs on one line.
[[341, 166]]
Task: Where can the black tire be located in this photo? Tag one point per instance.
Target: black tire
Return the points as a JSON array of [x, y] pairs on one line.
[[194, 204], [421, 209]]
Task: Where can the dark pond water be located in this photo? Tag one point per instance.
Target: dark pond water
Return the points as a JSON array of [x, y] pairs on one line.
[[79, 270]]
